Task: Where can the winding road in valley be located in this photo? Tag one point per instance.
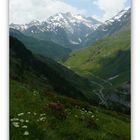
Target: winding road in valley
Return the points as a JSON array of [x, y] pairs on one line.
[[99, 93]]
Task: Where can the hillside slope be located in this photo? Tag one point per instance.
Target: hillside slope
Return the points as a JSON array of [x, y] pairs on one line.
[[36, 82], [106, 64], [27, 67], [110, 27], [42, 47]]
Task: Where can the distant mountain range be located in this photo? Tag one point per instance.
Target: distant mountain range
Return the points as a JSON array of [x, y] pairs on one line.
[[63, 28], [73, 31]]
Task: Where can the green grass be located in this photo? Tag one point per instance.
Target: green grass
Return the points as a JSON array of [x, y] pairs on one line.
[[107, 58], [83, 121], [35, 83], [42, 47], [91, 58]]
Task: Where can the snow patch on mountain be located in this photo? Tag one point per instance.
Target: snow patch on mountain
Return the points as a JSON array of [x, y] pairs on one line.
[[75, 43], [63, 20], [118, 17], [68, 29]]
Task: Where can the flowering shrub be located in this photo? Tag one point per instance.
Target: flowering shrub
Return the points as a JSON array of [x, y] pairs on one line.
[[58, 110]]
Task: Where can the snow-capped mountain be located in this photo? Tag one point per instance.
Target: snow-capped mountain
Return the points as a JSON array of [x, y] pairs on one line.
[[69, 21], [121, 18], [109, 27], [63, 20], [74, 31], [63, 28]]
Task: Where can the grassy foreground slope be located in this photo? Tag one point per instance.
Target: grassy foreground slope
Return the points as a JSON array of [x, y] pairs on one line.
[[31, 90], [107, 65], [30, 119]]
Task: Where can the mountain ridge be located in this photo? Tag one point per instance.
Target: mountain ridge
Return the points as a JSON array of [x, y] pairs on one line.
[[63, 28], [73, 31]]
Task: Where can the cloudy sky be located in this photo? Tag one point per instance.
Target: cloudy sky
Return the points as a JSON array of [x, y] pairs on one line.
[[24, 11]]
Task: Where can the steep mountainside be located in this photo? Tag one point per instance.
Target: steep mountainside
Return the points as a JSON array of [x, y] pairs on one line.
[[107, 65], [41, 47], [111, 26], [24, 66]]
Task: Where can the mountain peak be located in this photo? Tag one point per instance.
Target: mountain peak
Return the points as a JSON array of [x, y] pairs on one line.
[[69, 29], [34, 22], [119, 16]]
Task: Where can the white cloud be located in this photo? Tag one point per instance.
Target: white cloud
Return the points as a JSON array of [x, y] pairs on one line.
[[110, 7], [23, 11]]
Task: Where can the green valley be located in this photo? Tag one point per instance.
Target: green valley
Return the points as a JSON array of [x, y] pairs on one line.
[[107, 65], [35, 83]]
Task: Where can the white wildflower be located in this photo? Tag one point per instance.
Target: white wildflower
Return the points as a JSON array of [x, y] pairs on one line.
[[24, 126], [42, 118], [26, 133], [34, 91], [21, 120], [28, 112], [14, 119], [26, 121], [42, 114], [15, 124], [89, 112], [35, 113], [20, 114]]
